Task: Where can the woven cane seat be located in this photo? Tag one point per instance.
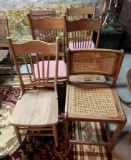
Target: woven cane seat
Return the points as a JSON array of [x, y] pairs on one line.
[[93, 100]]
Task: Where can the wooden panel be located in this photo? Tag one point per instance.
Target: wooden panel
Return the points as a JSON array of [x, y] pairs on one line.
[[36, 108]]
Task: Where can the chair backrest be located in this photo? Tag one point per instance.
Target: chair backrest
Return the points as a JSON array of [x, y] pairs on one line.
[[39, 48], [95, 61], [48, 28], [79, 33], [4, 32], [42, 13], [80, 12]]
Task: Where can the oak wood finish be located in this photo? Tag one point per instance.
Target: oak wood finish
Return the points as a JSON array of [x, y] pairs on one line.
[[4, 47], [80, 12], [42, 13], [47, 29], [94, 101], [37, 107], [80, 32]]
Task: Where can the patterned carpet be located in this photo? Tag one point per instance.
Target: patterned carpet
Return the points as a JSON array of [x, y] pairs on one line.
[[43, 148]]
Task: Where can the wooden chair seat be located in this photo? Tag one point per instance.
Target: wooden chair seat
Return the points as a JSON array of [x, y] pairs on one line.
[[40, 103]]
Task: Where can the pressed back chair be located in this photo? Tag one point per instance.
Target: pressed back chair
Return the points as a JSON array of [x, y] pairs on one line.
[[79, 33], [37, 107], [42, 13], [80, 12], [39, 14], [5, 56], [48, 28], [90, 101]]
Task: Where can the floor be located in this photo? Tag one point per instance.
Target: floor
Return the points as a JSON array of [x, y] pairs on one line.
[[122, 149]]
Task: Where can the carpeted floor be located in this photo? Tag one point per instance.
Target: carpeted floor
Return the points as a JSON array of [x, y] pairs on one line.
[[40, 148], [43, 147]]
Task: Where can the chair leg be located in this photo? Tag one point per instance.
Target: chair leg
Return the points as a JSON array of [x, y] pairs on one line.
[[66, 134], [18, 134], [11, 65], [55, 135], [116, 135]]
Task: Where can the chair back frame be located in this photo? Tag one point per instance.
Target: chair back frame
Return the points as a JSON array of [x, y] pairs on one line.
[[41, 49], [81, 12], [42, 13], [104, 62], [82, 30], [48, 28]]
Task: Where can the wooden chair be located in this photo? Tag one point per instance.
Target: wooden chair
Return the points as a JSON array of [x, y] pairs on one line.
[[128, 80], [37, 107], [42, 13], [5, 56], [80, 12], [48, 28], [94, 101], [79, 33]]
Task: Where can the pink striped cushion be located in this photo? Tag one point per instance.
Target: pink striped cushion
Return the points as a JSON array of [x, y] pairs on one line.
[[85, 44], [62, 72]]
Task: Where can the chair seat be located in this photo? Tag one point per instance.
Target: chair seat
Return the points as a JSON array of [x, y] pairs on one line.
[[36, 108], [87, 78], [93, 100], [85, 44], [62, 71]]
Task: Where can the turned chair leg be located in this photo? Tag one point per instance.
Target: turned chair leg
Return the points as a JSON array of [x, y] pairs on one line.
[[18, 134], [55, 135]]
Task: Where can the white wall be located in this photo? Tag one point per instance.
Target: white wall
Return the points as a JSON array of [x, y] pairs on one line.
[[24, 3]]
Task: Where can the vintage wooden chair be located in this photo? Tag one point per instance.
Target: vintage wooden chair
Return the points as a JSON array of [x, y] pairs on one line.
[[128, 80], [37, 107], [80, 12], [93, 101], [5, 56], [48, 28], [42, 13], [79, 33]]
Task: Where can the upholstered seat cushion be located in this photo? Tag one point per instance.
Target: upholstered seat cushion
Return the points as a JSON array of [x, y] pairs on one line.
[[85, 44], [62, 71]]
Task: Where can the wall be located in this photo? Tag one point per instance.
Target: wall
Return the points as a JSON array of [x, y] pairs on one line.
[[24, 3], [4, 4]]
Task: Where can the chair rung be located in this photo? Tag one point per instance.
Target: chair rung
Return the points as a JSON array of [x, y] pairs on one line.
[[37, 134], [36, 129], [89, 143]]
